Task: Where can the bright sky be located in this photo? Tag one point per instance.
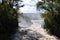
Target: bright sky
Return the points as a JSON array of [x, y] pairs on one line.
[[30, 6]]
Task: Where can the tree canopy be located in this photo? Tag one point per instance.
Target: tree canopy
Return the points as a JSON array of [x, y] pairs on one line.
[[51, 16], [8, 20]]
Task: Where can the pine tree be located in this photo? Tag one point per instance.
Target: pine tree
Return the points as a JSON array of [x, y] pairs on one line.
[[51, 16]]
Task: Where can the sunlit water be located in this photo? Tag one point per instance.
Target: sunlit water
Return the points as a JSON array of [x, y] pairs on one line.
[[32, 22]]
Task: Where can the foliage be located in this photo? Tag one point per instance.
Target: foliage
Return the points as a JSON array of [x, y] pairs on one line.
[[38, 4], [52, 17], [8, 21]]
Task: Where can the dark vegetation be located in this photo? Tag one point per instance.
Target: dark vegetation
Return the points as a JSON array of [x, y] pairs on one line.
[[8, 20], [51, 16]]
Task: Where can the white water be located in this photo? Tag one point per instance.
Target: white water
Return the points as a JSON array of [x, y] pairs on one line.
[[33, 21]]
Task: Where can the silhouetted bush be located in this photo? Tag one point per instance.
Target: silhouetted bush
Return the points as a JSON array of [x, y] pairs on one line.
[[8, 21]]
